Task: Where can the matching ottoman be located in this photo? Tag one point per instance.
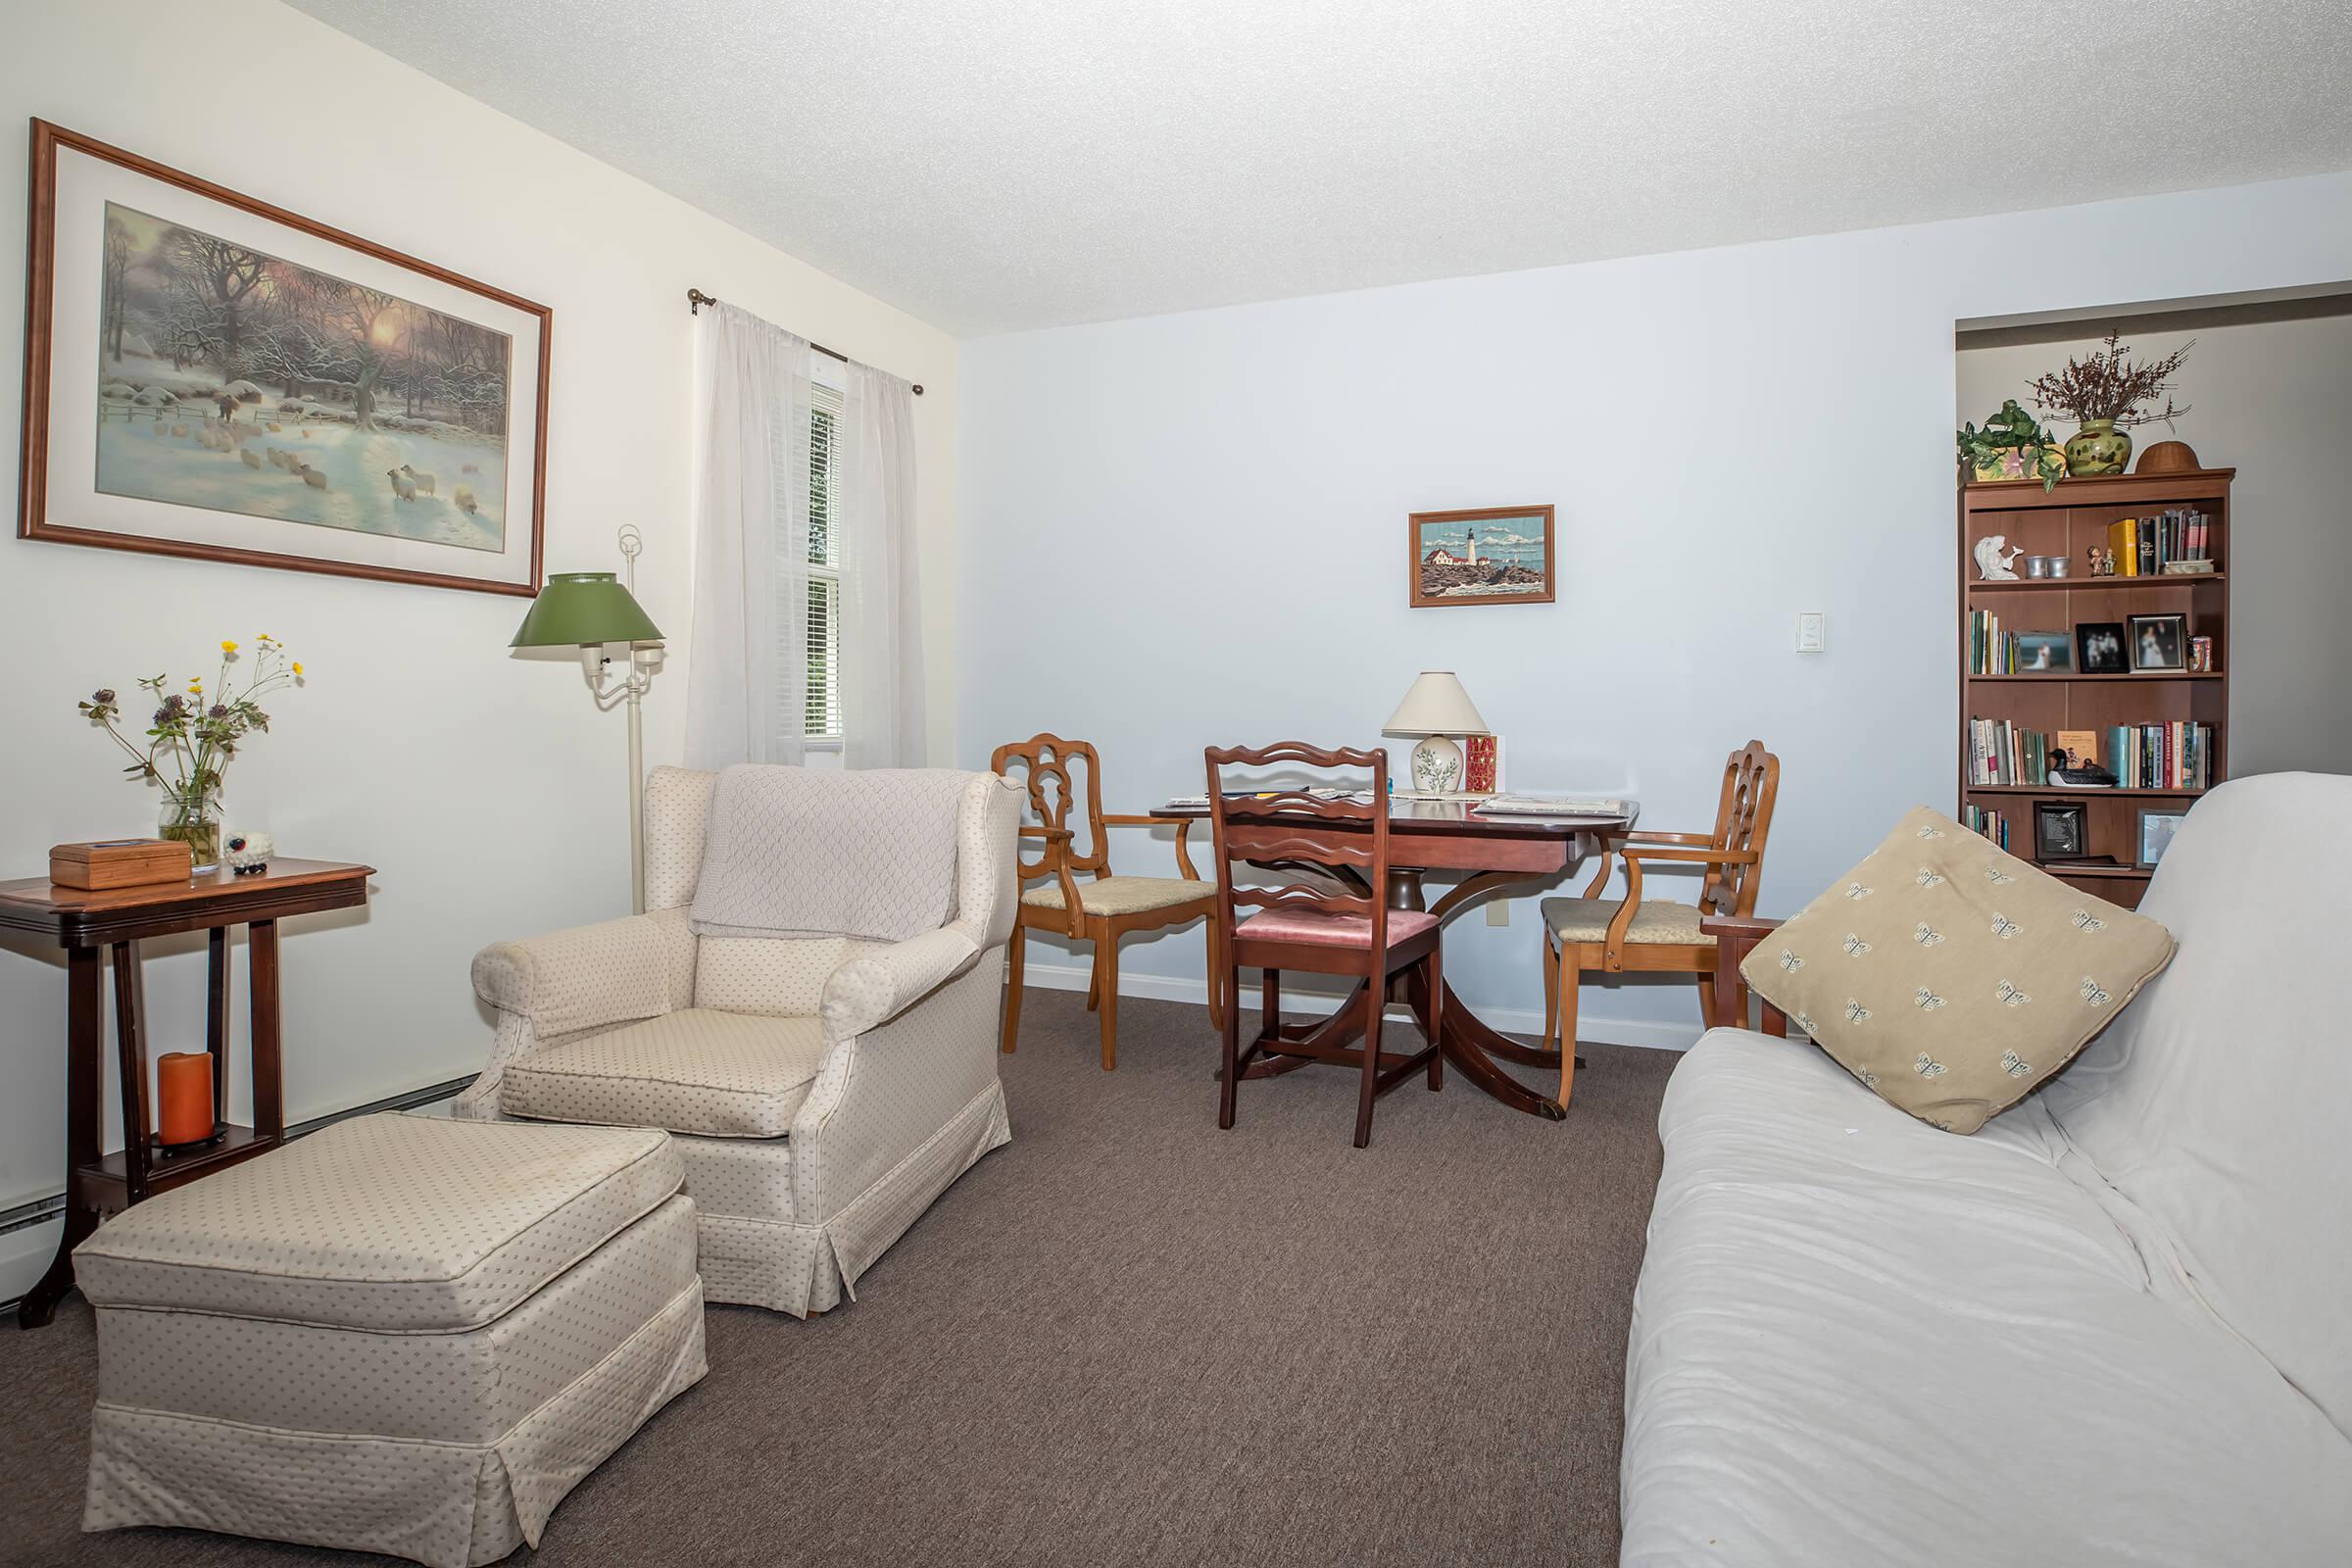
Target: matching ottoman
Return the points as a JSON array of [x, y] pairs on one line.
[[402, 1334]]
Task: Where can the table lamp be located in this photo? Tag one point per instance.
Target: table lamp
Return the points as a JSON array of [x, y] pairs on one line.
[[1435, 708], [592, 612]]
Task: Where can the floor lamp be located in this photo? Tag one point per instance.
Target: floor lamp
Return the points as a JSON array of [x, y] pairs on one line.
[[592, 612]]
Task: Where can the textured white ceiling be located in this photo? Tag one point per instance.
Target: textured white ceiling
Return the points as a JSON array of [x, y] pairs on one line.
[[997, 165]]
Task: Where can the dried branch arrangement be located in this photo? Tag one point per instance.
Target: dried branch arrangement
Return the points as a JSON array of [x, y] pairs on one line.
[[2108, 386]]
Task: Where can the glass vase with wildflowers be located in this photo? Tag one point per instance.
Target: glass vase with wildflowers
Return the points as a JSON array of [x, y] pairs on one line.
[[193, 735]]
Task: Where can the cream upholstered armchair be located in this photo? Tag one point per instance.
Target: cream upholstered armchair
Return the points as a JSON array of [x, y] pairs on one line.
[[823, 1082]]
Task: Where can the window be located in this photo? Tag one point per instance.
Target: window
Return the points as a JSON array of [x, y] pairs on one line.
[[822, 715]]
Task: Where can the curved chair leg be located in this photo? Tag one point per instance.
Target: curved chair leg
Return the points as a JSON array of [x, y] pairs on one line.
[[1094, 980], [1217, 977], [1569, 976], [1231, 1027], [1376, 997], [1551, 997], [1106, 982], [1015, 952], [1706, 999], [1436, 1020]]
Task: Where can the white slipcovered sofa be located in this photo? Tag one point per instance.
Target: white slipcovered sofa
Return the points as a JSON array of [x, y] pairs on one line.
[[2112, 1327], [822, 1088]]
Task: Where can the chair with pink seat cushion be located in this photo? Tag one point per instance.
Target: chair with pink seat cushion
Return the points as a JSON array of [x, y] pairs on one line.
[[1338, 924]]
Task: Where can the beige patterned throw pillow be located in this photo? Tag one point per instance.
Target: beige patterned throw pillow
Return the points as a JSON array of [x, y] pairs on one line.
[[1951, 977]]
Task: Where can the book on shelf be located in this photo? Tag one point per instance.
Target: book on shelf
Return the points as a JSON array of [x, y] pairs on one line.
[[2002, 752], [1992, 824], [1990, 651], [2173, 755], [2180, 538]]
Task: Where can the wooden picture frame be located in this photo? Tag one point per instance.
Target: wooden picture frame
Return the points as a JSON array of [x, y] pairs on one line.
[[2156, 828], [2061, 831], [208, 329], [1445, 566], [2158, 644]]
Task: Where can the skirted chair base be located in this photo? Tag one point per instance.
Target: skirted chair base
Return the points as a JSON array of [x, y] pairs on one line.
[[752, 1254], [403, 1335]]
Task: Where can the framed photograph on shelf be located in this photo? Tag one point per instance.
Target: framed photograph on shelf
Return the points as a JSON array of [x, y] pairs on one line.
[[1493, 556], [2041, 653], [2099, 647], [2156, 830], [211, 376], [2061, 830], [2159, 643]]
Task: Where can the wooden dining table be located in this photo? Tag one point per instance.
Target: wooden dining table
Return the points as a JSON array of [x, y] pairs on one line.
[[1490, 851]]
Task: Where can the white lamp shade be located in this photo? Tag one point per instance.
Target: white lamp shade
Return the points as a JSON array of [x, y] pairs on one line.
[[1437, 704]]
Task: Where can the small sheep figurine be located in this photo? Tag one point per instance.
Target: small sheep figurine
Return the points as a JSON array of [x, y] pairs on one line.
[[249, 854]]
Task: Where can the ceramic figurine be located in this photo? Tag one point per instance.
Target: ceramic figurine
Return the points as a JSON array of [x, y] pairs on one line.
[[1991, 564], [249, 854]]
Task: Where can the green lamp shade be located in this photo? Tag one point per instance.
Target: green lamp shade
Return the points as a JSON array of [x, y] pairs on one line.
[[580, 608]]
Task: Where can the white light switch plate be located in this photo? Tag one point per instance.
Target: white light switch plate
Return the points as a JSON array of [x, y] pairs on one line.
[[1499, 911], [1812, 631]]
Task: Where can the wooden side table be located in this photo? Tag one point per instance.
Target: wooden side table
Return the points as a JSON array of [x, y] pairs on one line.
[[85, 923]]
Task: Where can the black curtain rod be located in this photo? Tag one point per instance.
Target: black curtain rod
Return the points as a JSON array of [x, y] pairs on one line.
[[695, 299]]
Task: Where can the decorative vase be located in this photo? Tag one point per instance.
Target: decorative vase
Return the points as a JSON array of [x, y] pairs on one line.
[[194, 817], [2098, 447]]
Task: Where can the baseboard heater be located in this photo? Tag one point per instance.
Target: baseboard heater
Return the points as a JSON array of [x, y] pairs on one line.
[[41, 1210]]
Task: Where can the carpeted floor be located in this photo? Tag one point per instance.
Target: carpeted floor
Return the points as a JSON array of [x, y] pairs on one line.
[[1128, 1338]]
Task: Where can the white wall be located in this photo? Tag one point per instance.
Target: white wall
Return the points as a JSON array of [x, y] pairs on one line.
[[488, 791], [2273, 400], [1188, 529]]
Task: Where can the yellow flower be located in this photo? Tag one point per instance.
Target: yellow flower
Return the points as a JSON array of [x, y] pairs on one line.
[[196, 683], [229, 647], [298, 667]]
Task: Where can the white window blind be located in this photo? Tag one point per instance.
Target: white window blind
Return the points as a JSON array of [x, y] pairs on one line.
[[823, 713]]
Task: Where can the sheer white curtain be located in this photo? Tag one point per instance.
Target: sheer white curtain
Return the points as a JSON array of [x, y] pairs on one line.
[[748, 675], [881, 624]]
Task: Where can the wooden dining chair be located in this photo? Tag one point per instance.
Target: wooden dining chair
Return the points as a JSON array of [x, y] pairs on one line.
[[1103, 907], [1651, 935], [1342, 926]]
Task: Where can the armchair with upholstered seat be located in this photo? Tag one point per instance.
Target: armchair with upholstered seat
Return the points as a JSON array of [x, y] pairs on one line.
[[1101, 908], [1646, 934], [827, 1069]]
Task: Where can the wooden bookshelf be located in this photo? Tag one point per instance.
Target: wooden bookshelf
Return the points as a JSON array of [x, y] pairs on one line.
[[2066, 522]]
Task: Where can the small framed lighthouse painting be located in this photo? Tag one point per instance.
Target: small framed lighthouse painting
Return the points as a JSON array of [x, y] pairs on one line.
[[1491, 556]]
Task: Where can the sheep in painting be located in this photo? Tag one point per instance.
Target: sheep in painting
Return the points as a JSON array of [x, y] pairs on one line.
[[469, 467], [179, 429], [465, 500], [250, 460], [403, 487], [423, 482], [313, 477], [274, 427]]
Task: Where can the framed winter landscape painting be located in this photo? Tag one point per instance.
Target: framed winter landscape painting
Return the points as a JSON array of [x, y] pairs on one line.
[[1493, 556], [211, 376]]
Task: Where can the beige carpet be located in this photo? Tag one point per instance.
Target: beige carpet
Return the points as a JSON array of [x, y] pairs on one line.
[[1128, 1338]]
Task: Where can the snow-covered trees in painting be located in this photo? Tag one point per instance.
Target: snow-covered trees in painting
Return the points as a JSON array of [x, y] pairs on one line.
[[242, 382]]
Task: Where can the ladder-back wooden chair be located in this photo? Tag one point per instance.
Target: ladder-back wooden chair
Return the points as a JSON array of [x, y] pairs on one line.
[[1341, 926], [1103, 907], [1646, 934]]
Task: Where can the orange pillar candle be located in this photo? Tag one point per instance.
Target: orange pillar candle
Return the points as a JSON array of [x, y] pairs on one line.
[[184, 1080]]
